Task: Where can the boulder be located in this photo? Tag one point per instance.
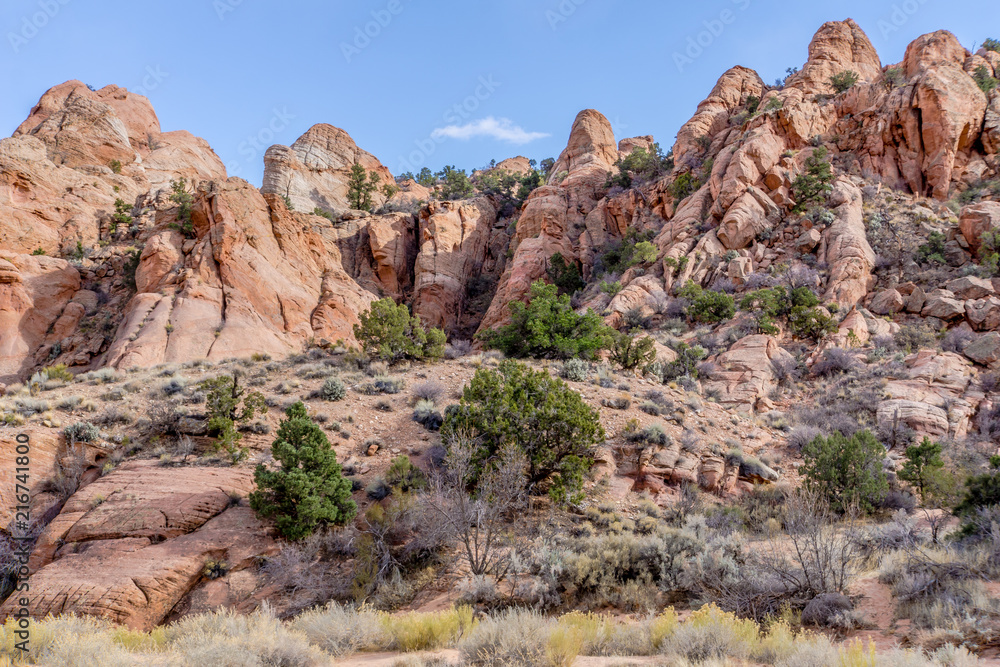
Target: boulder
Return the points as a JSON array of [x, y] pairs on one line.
[[887, 302], [942, 305], [808, 241], [976, 219], [983, 314], [970, 287], [935, 396], [915, 302], [984, 350]]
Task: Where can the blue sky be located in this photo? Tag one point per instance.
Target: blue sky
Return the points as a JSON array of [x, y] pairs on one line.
[[421, 83]]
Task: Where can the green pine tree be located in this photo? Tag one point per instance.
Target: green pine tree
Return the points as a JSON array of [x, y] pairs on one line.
[[361, 184], [308, 490], [922, 462], [847, 471], [813, 186]]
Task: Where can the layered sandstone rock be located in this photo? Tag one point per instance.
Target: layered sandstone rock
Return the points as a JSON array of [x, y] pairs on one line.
[[83, 127], [850, 257], [314, 172], [745, 373], [936, 398], [554, 215], [130, 545], [838, 46], [258, 278], [35, 294], [454, 247]]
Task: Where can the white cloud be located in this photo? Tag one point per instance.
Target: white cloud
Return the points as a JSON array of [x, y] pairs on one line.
[[501, 129]]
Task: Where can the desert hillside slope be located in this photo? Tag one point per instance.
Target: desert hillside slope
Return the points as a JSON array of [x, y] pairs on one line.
[[814, 261]]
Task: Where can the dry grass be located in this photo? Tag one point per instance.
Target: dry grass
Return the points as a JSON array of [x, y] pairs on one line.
[[512, 637]]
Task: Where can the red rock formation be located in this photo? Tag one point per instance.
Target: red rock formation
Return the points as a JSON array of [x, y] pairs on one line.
[[314, 171], [454, 244], [553, 214], [132, 555]]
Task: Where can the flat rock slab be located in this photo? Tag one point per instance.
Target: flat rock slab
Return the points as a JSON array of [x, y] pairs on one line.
[[129, 546]]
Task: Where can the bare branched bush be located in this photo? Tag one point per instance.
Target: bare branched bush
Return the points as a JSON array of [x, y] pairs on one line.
[[478, 517], [822, 558]]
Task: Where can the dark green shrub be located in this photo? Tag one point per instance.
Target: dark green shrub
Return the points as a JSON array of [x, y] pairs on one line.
[[991, 44], [426, 414], [552, 425], [38, 251], [770, 304], [361, 185], [612, 288], [983, 79], [842, 81], [846, 470], [686, 184], [405, 476], [933, 250], [323, 214], [981, 490], [564, 275], [618, 256], [180, 196], [810, 323], [923, 462], [388, 332], [707, 306], [686, 364], [813, 186], [548, 327], [630, 351], [121, 216], [116, 166], [308, 490], [641, 166], [651, 435], [455, 184], [894, 77], [229, 406]]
